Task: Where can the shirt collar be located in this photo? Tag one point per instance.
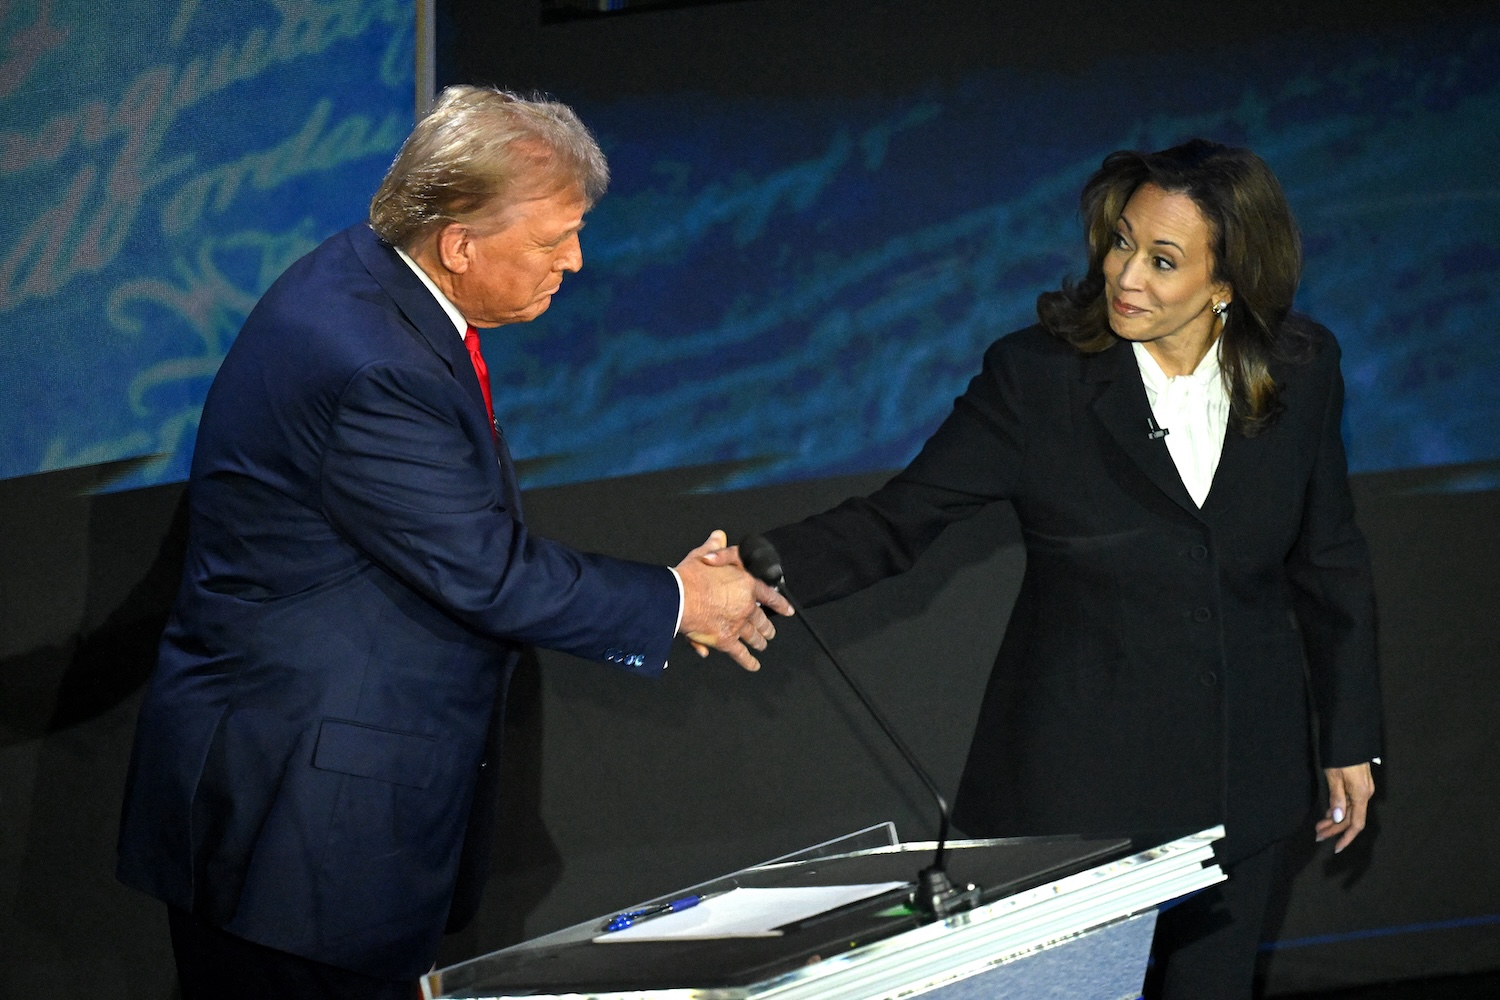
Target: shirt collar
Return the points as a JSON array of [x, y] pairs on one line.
[[1157, 381], [461, 324]]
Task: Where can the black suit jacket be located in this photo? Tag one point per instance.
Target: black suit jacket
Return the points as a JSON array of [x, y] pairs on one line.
[[1152, 675]]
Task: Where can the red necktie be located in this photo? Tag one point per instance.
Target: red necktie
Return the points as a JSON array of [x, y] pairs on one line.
[[471, 341]]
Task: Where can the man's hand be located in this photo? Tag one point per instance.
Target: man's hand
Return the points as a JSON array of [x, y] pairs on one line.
[[721, 605], [1349, 791]]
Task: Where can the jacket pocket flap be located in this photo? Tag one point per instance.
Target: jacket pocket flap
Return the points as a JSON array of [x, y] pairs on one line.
[[382, 754]]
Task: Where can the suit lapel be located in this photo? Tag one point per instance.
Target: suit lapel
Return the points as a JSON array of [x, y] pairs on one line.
[[433, 325], [1121, 408], [417, 305], [1239, 462], [508, 473]]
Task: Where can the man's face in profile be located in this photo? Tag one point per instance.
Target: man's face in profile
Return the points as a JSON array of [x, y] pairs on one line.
[[507, 266]]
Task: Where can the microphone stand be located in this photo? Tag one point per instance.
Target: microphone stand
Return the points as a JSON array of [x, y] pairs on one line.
[[935, 895]]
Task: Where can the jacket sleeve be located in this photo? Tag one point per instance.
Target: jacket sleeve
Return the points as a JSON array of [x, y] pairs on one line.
[[404, 481], [1333, 594], [973, 459]]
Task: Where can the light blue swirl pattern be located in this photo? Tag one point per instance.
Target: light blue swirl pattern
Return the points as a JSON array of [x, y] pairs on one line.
[[804, 286], [796, 287]]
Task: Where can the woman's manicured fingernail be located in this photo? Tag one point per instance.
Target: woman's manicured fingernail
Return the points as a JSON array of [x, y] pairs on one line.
[[1338, 814]]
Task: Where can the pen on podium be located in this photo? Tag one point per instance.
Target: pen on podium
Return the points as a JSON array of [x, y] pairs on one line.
[[629, 918]]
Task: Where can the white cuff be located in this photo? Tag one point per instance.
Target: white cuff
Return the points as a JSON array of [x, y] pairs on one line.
[[681, 603]]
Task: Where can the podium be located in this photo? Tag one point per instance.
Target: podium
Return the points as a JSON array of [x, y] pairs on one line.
[[1060, 917]]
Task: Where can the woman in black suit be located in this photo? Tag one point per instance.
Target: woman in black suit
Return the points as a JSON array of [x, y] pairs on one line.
[[1169, 437]]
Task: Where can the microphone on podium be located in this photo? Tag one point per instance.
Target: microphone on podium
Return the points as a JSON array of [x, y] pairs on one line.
[[935, 895]]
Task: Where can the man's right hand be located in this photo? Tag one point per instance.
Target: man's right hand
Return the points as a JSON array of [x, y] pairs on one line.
[[722, 605]]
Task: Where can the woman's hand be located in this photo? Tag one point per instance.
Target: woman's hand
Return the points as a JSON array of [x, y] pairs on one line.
[[1349, 791]]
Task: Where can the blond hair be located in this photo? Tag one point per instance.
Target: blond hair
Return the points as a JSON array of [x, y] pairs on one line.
[[478, 150]]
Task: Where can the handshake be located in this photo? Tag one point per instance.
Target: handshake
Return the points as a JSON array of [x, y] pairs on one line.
[[723, 606]]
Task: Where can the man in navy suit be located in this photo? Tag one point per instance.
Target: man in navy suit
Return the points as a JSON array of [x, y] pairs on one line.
[[307, 791]]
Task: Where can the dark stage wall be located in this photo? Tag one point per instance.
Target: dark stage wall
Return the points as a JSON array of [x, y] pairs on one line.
[[621, 789]]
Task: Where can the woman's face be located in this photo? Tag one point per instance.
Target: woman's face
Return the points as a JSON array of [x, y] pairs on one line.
[[1158, 274]]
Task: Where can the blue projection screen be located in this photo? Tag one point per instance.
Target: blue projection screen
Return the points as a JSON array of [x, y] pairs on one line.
[[794, 286], [803, 285], [162, 163]]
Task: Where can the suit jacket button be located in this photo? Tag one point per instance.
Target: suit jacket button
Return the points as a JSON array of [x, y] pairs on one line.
[[1202, 615], [1200, 552], [1208, 678]]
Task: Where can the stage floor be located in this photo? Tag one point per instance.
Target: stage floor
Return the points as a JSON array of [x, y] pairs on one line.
[[1485, 986]]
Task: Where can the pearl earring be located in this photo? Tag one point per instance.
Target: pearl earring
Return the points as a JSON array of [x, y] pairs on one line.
[[1220, 308]]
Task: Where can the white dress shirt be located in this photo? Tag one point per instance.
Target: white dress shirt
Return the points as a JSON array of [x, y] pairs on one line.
[[1194, 410]]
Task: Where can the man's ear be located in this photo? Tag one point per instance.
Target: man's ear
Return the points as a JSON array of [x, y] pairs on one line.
[[454, 247]]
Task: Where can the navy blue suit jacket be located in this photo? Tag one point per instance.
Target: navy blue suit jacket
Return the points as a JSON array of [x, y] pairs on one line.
[[357, 586]]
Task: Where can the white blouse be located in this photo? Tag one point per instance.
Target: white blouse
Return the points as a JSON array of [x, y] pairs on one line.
[[1194, 410]]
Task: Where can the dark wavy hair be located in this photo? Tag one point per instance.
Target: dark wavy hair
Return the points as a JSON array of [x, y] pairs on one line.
[[1256, 251]]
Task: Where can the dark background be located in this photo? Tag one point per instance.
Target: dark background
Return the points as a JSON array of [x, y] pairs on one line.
[[621, 789]]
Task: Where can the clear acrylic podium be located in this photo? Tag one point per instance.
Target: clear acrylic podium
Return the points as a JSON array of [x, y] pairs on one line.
[[1060, 917]]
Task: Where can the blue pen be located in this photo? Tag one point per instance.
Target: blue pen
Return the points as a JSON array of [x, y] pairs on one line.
[[620, 921]]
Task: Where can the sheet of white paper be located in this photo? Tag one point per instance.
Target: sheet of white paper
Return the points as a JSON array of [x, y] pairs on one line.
[[747, 913]]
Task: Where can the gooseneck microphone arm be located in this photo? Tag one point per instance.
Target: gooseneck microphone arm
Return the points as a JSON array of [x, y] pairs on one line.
[[935, 895]]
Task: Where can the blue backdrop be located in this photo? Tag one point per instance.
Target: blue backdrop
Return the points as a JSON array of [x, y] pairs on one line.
[[801, 286], [806, 285], [162, 163]]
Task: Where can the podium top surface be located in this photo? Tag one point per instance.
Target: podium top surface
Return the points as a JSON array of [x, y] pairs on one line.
[[569, 962]]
